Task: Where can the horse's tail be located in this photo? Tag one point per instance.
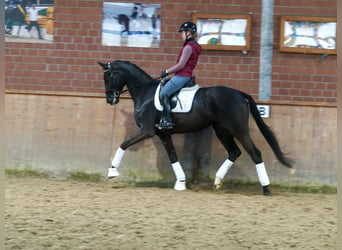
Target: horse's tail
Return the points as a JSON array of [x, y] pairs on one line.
[[267, 132]]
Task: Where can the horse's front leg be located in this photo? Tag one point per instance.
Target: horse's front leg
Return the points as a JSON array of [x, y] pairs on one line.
[[139, 136], [176, 166]]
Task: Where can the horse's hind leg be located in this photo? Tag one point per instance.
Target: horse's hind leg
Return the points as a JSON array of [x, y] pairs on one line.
[[233, 153], [255, 154], [176, 166]]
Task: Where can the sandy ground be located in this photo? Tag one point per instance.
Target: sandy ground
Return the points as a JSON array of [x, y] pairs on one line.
[[52, 214]]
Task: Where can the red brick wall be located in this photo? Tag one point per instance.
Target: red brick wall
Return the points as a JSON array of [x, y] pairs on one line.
[[69, 63]]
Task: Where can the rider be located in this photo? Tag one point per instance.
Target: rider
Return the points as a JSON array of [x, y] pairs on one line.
[[186, 62]]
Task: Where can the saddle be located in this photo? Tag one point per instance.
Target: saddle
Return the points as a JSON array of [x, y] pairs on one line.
[[181, 101], [174, 96]]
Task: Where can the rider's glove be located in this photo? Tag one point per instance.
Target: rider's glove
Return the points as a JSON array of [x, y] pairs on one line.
[[163, 74]]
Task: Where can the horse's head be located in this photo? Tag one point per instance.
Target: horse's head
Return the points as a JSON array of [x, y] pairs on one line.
[[113, 81]]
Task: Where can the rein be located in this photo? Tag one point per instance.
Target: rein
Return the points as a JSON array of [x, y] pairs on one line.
[[118, 93], [142, 84]]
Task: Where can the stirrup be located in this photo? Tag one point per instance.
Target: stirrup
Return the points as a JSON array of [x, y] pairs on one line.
[[165, 124]]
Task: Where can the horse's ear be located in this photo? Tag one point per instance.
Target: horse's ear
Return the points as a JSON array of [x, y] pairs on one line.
[[103, 65]]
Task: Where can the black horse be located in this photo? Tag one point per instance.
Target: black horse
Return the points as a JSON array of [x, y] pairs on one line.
[[224, 108], [123, 20], [15, 16]]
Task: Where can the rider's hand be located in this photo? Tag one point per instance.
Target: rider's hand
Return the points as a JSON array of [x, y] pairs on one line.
[[163, 74]]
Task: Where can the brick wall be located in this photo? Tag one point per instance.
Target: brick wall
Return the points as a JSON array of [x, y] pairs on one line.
[[69, 63]]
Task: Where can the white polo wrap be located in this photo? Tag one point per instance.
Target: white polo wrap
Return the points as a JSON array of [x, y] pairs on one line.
[[178, 170], [118, 157], [226, 165], [262, 174]]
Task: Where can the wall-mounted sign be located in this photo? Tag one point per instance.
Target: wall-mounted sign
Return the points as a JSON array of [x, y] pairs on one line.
[[308, 34], [29, 21], [131, 24], [264, 110], [223, 31]]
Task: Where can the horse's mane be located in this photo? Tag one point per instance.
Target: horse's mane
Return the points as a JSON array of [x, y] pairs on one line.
[[134, 65]]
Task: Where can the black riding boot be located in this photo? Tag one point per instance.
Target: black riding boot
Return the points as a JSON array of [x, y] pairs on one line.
[[165, 121]]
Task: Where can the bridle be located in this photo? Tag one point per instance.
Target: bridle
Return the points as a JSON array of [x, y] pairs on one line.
[[112, 78], [112, 90]]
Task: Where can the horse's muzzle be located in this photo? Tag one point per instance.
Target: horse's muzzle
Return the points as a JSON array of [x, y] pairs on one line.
[[111, 99], [116, 100]]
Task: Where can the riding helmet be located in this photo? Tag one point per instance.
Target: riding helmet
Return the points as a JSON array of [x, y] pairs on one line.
[[188, 26]]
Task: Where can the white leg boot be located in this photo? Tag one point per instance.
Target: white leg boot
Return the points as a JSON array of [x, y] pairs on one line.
[[180, 184], [113, 171], [262, 174], [221, 172]]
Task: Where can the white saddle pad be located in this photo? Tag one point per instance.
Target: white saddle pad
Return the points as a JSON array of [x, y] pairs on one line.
[[184, 100]]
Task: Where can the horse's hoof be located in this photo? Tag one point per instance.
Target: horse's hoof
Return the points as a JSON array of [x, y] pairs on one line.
[[266, 191], [180, 186], [112, 172], [292, 171], [217, 183]]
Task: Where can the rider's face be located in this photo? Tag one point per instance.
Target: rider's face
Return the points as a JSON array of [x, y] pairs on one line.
[[185, 35]]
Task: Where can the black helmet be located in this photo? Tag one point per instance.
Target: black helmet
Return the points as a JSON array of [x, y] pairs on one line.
[[188, 26]]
